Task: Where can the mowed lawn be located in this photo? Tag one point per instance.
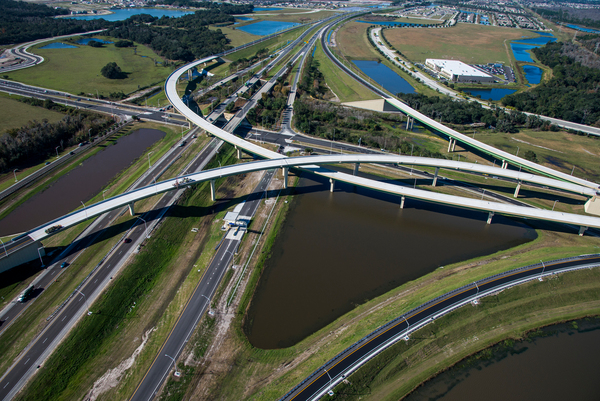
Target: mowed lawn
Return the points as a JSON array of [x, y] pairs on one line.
[[78, 70], [16, 114], [469, 43], [353, 42]]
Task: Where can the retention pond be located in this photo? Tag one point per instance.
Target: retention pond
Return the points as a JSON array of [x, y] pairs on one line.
[[556, 363], [338, 250], [81, 183]]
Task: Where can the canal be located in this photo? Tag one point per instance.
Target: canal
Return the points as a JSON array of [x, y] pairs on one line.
[[80, 184], [556, 363], [339, 250]]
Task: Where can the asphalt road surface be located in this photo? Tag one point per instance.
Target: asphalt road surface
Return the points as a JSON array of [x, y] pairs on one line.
[[344, 363], [41, 347], [198, 303]]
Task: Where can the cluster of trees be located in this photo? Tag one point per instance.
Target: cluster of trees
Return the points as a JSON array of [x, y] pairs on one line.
[[447, 110], [37, 140], [572, 93], [571, 16], [331, 121], [185, 38], [22, 22], [112, 71], [245, 62], [225, 7], [313, 81], [268, 109]]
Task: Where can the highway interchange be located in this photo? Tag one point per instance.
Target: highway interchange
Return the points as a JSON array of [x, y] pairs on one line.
[[322, 380]]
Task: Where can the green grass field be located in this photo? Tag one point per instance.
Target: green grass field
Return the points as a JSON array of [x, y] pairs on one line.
[[469, 43], [78, 70], [16, 114]]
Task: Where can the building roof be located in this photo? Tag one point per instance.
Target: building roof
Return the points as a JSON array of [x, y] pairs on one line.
[[456, 67]]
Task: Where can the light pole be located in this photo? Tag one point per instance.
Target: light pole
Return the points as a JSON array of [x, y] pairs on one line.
[[85, 300], [145, 225], [4, 247], [543, 266], [174, 364], [40, 255], [103, 198], [554, 204], [517, 151], [84, 209], [90, 135], [149, 160], [57, 151], [15, 173]]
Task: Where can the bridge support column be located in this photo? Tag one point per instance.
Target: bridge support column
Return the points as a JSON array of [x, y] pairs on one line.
[[450, 145], [516, 195], [582, 230], [239, 153], [356, 167], [402, 202], [131, 209], [437, 170], [189, 74], [212, 190], [490, 215], [285, 177], [453, 145], [332, 185], [504, 164]]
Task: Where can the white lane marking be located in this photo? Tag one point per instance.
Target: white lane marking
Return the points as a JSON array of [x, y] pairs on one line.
[[7, 383], [63, 318], [26, 361], [95, 281], [45, 339]]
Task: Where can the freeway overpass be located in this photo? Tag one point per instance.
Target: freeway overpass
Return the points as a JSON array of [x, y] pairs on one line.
[[314, 164]]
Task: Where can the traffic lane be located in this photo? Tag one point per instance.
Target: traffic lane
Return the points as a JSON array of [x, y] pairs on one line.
[[185, 324], [58, 323], [428, 311]]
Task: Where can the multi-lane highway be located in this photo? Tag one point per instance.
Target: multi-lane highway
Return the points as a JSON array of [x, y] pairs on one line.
[[342, 365], [200, 299]]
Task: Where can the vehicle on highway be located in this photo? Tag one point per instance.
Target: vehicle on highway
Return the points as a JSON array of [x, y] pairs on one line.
[[182, 144], [53, 229], [127, 240], [71, 153], [26, 294], [64, 264]]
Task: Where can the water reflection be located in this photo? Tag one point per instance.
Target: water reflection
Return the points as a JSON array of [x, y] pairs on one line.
[[384, 76]]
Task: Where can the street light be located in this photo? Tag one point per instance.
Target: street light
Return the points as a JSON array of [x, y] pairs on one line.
[[517, 151], [85, 300], [84, 209], [15, 173], [543, 266], [554, 204], [90, 135], [103, 198], [57, 151], [174, 364], [149, 160], [40, 255], [145, 225]]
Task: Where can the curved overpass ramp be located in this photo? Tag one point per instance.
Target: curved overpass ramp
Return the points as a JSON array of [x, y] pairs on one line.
[[314, 164]]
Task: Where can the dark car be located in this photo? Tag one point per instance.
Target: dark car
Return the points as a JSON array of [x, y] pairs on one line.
[[127, 240], [71, 153], [64, 264]]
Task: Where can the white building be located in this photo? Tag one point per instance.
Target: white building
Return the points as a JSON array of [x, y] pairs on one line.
[[457, 71]]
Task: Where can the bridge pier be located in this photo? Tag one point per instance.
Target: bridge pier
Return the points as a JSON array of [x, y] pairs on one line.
[[239, 153], [435, 176], [402, 202], [356, 167], [212, 190], [189, 74], [131, 209], [504, 164], [516, 195], [490, 215], [285, 172], [453, 145], [332, 185], [582, 230], [450, 145]]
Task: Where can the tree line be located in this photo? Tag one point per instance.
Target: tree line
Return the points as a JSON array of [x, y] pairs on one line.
[[571, 94], [37, 140]]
